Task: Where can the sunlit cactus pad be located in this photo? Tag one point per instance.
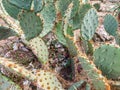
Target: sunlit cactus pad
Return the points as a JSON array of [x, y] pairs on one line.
[[48, 81], [39, 49]]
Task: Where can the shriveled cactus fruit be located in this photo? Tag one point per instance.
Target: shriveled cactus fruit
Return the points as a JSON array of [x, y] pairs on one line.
[[48, 15], [110, 24], [96, 78], [59, 33], [38, 5], [78, 18], [48, 81], [30, 24], [24, 4], [89, 25], [10, 9], [6, 32], [39, 49], [107, 58], [79, 84], [7, 84]]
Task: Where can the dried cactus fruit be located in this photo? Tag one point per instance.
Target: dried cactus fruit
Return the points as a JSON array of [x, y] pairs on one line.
[[89, 25], [39, 49], [30, 24], [99, 82], [6, 32], [38, 5], [48, 81], [24, 4], [110, 24], [7, 84], [10, 9], [48, 15], [107, 58]]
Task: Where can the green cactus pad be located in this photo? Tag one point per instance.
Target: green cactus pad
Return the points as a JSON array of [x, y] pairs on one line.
[[59, 33], [79, 84], [6, 32], [62, 5], [38, 5], [71, 46], [7, 84], [76, 4], [48, 15], [48, 81], [30, 24], [11, 9], [24, 4], [110, 24], [39, 49], [78, 18], [94, 76], [88, 47], [89, 25], [107, 58]]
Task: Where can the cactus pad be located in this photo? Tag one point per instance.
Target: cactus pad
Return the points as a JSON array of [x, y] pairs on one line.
[[30, 24], [99, 82], [48, 81], [48, 15], [89, 25], [110, 24], [39, 49], [6, 32], [59, 33], [78, 18], [24, 4], [79, 84], [7, 84], [38, 5], [62, 6], [11, 9], [107, 58]]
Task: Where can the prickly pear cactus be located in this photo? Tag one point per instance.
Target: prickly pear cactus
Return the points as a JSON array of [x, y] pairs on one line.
[[78, 18], [39, 49], [107, 58], [16, 69], [71, 46], [10, 9], [110, 24], [89, 25], [99, 82], [79, 84], [24, 4], [7, 84], [48, 81], [48, 15], [59, 33], [30, 24], [62, 5], [38, 5], [6, 32]]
